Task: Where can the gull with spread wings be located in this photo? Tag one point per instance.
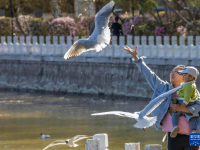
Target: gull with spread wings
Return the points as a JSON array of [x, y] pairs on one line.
[[69, 142], [141, 117], [99, 39]]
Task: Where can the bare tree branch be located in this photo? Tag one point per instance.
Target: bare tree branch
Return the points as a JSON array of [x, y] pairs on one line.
[[196, 15], [166, 13], [157, 11], [141, 3], [18, 23], [153, 15], [178, 14], [122, 20], [189, 12]]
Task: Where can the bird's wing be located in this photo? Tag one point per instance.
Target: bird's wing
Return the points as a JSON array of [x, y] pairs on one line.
[[75, 50], [101, 33], [144, 121], [118, 113], [79, 137], [58, 142], [102, 17], [156, 102]]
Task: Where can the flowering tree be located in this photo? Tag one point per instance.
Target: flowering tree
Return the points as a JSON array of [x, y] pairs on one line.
[[5, 27], [62, 26], [177, 19], [21, 23], [176, 16], [83, 26]]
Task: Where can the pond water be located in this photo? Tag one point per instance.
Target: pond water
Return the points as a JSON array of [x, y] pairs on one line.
[[25, 115]]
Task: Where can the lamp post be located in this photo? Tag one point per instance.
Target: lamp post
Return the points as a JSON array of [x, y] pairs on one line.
[[11, 18]]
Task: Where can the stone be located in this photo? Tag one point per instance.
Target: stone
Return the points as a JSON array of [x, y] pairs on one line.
[[153, 147], [92, 144], [103, 140], [132, 146]]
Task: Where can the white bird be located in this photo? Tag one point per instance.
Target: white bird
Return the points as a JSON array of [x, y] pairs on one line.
[[45, 136], [141, 117], [149, 121], [69, 142], [119, 113], [99, 39]]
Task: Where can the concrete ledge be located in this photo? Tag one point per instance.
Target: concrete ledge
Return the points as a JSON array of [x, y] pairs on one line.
[[99, 75], [152, 61]]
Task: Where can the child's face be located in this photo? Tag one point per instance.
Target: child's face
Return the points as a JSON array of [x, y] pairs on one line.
[[187, 78]]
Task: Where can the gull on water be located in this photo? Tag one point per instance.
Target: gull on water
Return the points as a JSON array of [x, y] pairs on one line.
[[99, 39], [141, 117], [69, 142], [45, 136]]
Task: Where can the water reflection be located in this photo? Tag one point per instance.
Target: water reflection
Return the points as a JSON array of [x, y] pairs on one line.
[[25, 115]]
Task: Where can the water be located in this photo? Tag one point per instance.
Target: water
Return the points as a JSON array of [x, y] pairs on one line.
[[25, 115]]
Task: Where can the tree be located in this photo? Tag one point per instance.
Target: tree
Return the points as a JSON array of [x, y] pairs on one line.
[[56, 8], [19, 6], [29, 6]]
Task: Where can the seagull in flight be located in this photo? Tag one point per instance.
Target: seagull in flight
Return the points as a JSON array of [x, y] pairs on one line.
[[149, 121], [143, 121], [99, 39], [69, 142]]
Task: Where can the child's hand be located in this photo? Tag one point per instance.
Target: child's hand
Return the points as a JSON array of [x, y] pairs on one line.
[[183, 105], [132, 52]]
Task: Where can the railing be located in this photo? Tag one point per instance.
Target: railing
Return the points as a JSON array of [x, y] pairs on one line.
[[151, 50]]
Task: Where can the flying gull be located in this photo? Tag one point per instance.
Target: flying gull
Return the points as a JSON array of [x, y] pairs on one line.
[[99, 39], [69, 142], [142, 117]]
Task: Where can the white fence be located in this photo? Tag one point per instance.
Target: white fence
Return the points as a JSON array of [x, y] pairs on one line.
[[151, 50]]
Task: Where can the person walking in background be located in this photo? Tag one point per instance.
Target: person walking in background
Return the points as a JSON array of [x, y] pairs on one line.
[[116, 29]]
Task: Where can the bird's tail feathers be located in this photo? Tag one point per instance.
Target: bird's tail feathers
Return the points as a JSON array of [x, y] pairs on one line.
[[145, 122]]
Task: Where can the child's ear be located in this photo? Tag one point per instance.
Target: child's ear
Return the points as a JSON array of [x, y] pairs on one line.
[[192, 78]]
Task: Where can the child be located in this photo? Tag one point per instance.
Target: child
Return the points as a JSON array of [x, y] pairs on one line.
[[186, 96]]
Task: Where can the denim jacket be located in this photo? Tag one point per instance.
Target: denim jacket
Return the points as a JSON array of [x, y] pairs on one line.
[[159, 86]]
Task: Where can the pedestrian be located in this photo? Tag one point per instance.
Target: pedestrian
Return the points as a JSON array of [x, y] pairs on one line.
[[116, 29]]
